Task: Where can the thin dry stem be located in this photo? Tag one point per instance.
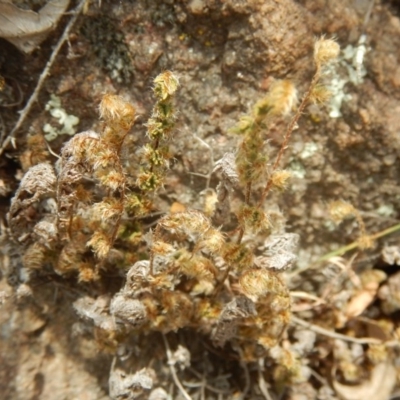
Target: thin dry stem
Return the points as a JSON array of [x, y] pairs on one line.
[[245, 368], [347, 268], [206, 385], [247, 201], [261, 381], [333, 335], [173, 370], [303, 295], [345, 249], [24, 113], [212, 162], [288, 133]]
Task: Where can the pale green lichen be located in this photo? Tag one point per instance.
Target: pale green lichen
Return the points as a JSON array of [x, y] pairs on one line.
[[66, 122], [386, 210], [309, 150], [297, 169]]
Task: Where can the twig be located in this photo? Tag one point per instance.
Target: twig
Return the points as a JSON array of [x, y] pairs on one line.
[[247, 202], [289, 130], [334, 335], [173, 370], [212, 163], [246, 371], [247, 378], [317, 376], [368, 14], [261, 381], [24, 113], [51, 151], [308, 296], [346, 267], [342, 250], [202, 385], [2, 129], [207, 385], [20, 95], [303, 295], [354, 245]]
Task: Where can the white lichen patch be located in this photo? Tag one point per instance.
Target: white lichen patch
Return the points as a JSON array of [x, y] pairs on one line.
[[297, 169], [349, 69], [329, 225], [309, 150], [65, 121], [386, 210], [353, 60]]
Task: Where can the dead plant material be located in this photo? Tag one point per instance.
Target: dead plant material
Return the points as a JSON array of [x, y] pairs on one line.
[[367, 294], [181, 273], [379, 386], [26, 29], [37, 187], [124, 385], [10, 138]]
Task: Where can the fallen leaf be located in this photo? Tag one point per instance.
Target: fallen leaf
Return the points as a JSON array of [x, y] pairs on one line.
[[379, 387], [366, 295], [26, 29], [360, 302]]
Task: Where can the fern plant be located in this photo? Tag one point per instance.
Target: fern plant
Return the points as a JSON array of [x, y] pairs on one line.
[[191, 274]]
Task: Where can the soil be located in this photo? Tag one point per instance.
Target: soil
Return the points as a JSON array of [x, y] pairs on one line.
[[226, 55]]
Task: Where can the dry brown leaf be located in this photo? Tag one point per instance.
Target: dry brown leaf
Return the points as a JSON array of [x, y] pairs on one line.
[[365, 296], [391, 255], [26, 29], [37, 185], [227, 165], [358, 304], [379, 387]]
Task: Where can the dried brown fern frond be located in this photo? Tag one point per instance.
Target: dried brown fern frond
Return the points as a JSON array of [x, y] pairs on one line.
[[87, 156], [37, 185]]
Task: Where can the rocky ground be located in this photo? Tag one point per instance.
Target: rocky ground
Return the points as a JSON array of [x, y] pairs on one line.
[[226, 55]]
